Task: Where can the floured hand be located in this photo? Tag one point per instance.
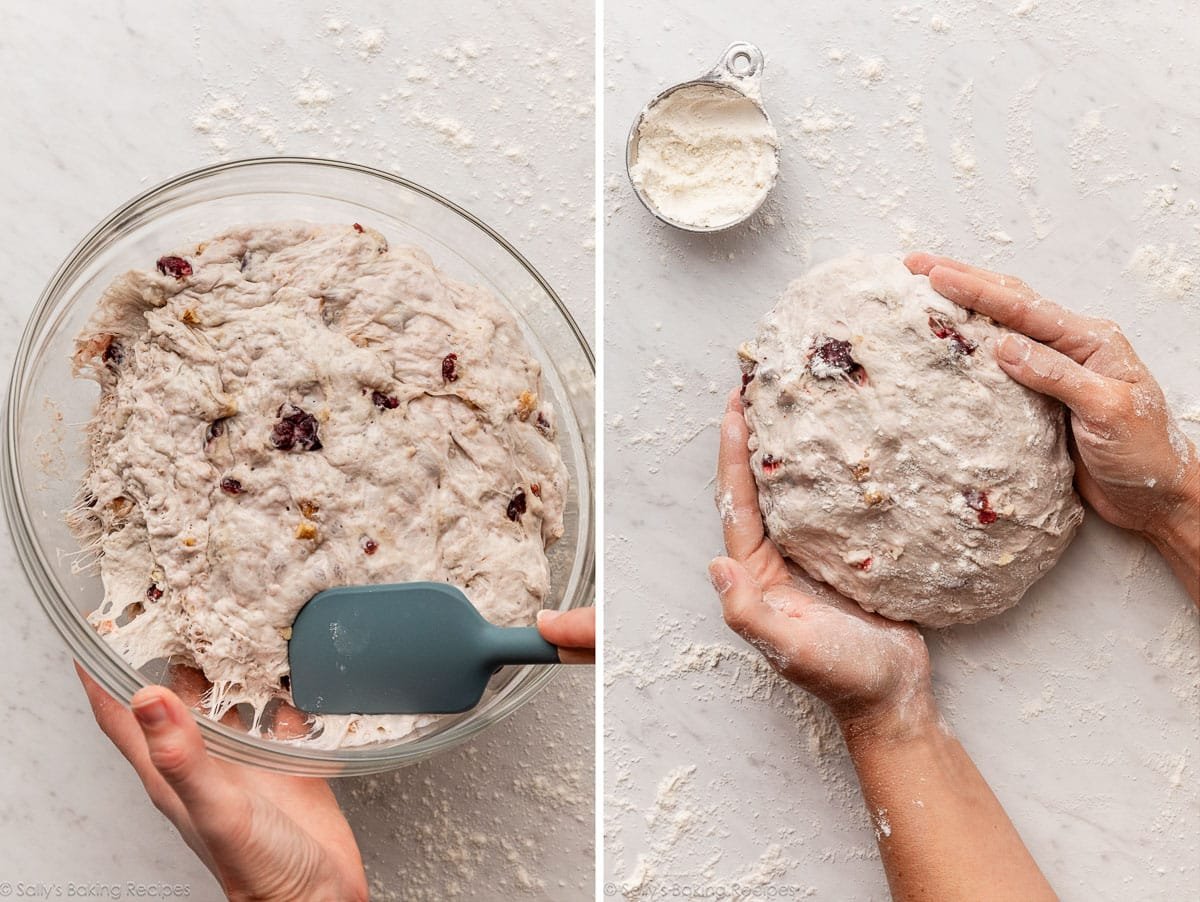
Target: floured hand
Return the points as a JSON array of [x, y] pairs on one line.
[[1133, 465], [869, 670]]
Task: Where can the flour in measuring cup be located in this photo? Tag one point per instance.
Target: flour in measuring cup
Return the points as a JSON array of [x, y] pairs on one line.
[[705, 156]]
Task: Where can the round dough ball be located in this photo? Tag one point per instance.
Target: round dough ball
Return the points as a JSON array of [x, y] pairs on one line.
[[895, 460]]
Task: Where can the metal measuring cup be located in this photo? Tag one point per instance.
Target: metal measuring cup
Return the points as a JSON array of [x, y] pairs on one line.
[[739, 71]]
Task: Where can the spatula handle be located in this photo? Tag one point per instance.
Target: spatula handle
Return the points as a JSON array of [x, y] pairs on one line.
[[519, 645]]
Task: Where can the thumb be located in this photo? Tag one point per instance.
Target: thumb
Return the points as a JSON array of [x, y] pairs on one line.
[[177, 752], [574, 632], [741, 597], [1052, 373]]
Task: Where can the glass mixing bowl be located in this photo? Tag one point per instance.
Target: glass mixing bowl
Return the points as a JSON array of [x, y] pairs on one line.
[[44, 444]]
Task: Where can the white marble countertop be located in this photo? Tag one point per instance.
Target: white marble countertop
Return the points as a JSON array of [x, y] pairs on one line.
[[490, 106], [1053, 139]]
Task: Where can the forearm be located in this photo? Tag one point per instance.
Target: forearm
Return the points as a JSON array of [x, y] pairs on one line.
[[942, 833], [1177, 537]]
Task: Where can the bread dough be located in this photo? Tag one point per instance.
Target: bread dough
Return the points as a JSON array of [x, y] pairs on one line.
[[291, 407], [895, 460]]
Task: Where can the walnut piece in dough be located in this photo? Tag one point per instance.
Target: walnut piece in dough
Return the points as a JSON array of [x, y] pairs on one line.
[[895, 460]]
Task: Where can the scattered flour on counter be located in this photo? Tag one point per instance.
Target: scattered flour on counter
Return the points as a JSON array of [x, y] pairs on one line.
[[450, 130], [1162, 196], [683, 811], [1172, 271], [1038, 706], [668, 434], [962, 145], [1176, 651], [871, 71], [818, 134], [771, 868], [312, 93], [458, 826], [369, 42], [1190, 417], [669, 791], [1098, 154], [964, 158], [383, 102], [1023, 161], [1176, 778], [614, 191]]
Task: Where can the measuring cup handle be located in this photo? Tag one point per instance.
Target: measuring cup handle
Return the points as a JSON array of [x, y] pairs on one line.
[[742, 61]]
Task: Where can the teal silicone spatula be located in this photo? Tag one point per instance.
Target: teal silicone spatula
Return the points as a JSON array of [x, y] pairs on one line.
[[406, 648]]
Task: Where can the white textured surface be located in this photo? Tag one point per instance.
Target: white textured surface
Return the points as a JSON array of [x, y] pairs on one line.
[[490, 106], [1052, 139]]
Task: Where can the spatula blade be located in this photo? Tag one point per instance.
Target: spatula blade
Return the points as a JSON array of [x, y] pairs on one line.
[[411, 648]]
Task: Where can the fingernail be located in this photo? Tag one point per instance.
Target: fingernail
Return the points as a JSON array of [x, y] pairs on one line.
[[151, 713], [546, 615], [1014, 349], [947, 287], [719, 575]]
